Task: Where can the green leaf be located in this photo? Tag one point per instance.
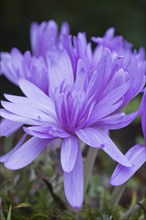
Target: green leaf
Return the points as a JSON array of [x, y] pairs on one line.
[[2, 216], [9, 213], [39, 215], [22, 205]]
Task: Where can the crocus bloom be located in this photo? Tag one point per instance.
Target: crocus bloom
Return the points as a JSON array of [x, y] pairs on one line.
[[122, 55], [77, 107], [117, 44], [136, 155], [15, 65], [45, 37], [86, 93]]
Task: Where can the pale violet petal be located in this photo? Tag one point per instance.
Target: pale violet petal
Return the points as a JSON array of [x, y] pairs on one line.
[[7, 127], [96, 137], [74, 183], [5, 157], [26, 153], [69, 152], [137, 156]]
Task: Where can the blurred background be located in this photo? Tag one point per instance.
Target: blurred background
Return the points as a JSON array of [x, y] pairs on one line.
[[92, 17]]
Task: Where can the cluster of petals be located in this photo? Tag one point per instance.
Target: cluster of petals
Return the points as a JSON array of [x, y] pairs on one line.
[[72, 93]]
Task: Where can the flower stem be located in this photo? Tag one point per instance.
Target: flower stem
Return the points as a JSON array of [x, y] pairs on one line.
[[116, 195], [134, 210], [91, 156]]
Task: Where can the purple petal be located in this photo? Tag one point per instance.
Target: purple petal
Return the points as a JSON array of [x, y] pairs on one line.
[[45, 106], [10, 62], [90, 137], [7, 155], [60, 69], [26, 153], [65, 29], [144, 116], [112, 101], [27, 111], [95, 137], [19, 119], [73, 183], [37, 97], [37, 133], [116, 121], [8, 127], [69, 152], [137, 156], [46, 131], [43, 37], [33, 36]]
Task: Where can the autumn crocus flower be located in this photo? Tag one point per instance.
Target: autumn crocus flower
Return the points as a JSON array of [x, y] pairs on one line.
[[15, 65], [136, 155], [77, 107], [86, 92], [117, 44], [44, 37]]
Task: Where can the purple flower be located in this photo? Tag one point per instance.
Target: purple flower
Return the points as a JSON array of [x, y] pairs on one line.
[[117, 44], [121, 54], [77, 107], [71, 93], [15, 65], [45, 37], [136, 155]]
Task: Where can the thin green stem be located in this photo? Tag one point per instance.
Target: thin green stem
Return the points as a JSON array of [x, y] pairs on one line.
[[91, 156], [135, 209], [116, 195]]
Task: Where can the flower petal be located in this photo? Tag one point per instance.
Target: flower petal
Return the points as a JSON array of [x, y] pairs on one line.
[[69, 152], [7, 155], [37, 96], [7, 127], [116, 121], [16, 118], [60, 69], [96, 137], [26, 153], [27, 111], [90, 137], [137, 156], [46, 131], [73, 183], [144, 116]]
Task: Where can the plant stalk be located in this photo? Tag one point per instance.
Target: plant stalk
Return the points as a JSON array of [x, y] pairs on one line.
[[91, 156], [117, 194]]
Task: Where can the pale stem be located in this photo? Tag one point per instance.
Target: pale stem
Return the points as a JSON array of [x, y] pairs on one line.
[[116, 195], [133, 210], [91, 156]]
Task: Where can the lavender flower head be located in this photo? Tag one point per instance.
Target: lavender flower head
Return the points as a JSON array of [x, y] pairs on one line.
[[15, 65], [86, 94]]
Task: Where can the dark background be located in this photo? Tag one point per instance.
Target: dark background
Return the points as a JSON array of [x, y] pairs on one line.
[[91, 16]]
